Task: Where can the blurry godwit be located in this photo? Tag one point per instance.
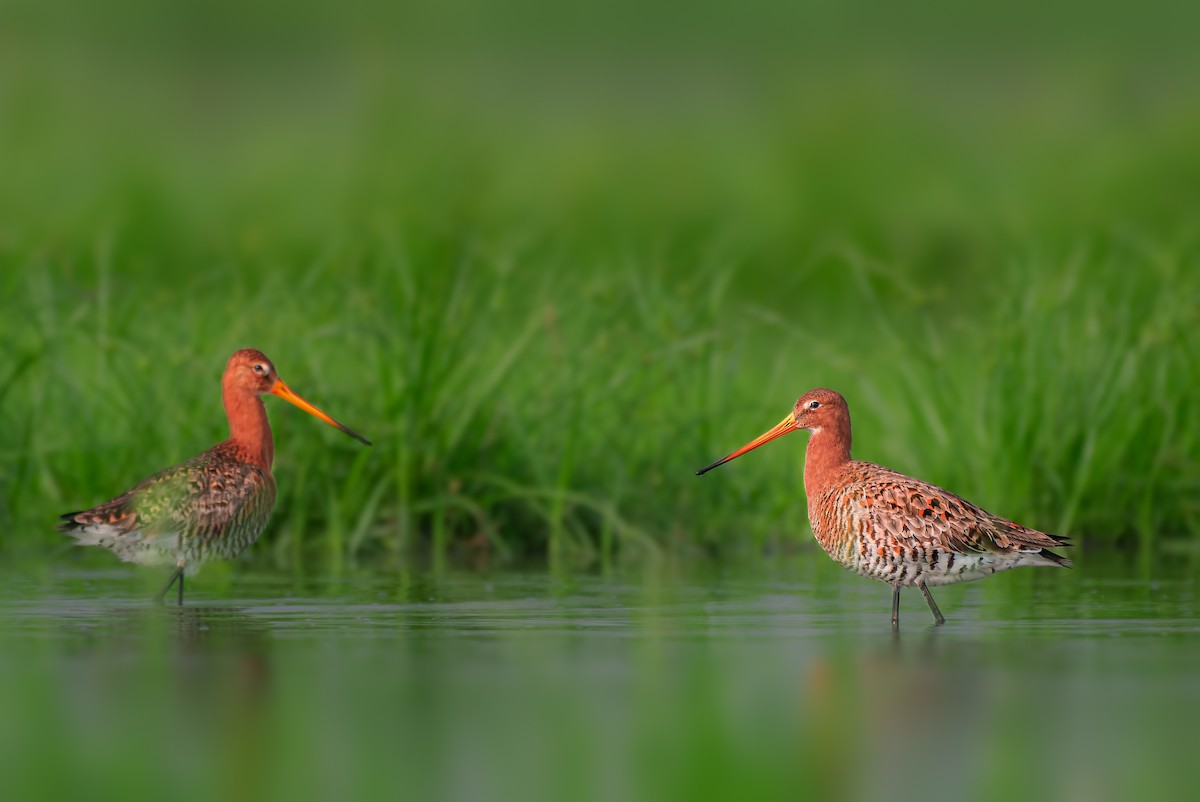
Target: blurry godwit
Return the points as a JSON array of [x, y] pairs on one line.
[[891, 527], [214, 505]]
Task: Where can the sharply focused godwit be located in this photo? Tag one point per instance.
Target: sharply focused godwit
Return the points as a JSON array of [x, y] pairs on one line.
[[891, 527], [214, 505]]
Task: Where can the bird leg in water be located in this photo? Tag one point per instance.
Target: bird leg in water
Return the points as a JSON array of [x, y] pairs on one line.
[[176, 575], [896, 607], [937, 614]]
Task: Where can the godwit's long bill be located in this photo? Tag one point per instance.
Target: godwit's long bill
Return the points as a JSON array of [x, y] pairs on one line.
[[214, 505], [891, 527]]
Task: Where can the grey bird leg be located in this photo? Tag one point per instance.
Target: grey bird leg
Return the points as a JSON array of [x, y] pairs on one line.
[[937, 614], [177, 574], [896, 607]]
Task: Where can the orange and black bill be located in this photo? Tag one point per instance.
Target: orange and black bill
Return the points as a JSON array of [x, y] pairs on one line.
[[283, 391], [788, 424]]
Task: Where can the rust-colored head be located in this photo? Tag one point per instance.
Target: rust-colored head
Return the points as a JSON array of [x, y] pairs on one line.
[[249, 373], [815, 410], [820, 408]]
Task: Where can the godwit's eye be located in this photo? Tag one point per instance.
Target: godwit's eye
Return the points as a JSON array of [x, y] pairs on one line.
[[814, 404], [260, 369]]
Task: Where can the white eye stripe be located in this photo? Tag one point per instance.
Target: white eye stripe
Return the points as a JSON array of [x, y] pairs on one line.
[[262, 369]]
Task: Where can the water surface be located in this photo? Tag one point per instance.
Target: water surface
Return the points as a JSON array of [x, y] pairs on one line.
[[776, 679]]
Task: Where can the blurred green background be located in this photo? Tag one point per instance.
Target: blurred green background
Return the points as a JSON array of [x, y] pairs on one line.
[[553, 257]]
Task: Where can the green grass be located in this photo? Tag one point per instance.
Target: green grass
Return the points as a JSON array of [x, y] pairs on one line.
[[550, 284]]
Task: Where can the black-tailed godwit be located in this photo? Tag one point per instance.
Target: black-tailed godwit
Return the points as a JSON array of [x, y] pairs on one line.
[[214, 505], [891, 527]]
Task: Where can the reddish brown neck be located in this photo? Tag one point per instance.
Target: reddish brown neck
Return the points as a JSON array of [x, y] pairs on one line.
[[828, 450], [249, 430]]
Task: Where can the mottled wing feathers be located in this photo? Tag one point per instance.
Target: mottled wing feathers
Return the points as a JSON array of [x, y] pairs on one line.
[[185, 508], [150, 508], [916, 512], [231, 506]]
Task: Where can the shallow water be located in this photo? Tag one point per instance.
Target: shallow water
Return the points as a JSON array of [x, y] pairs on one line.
[[776, 679]]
